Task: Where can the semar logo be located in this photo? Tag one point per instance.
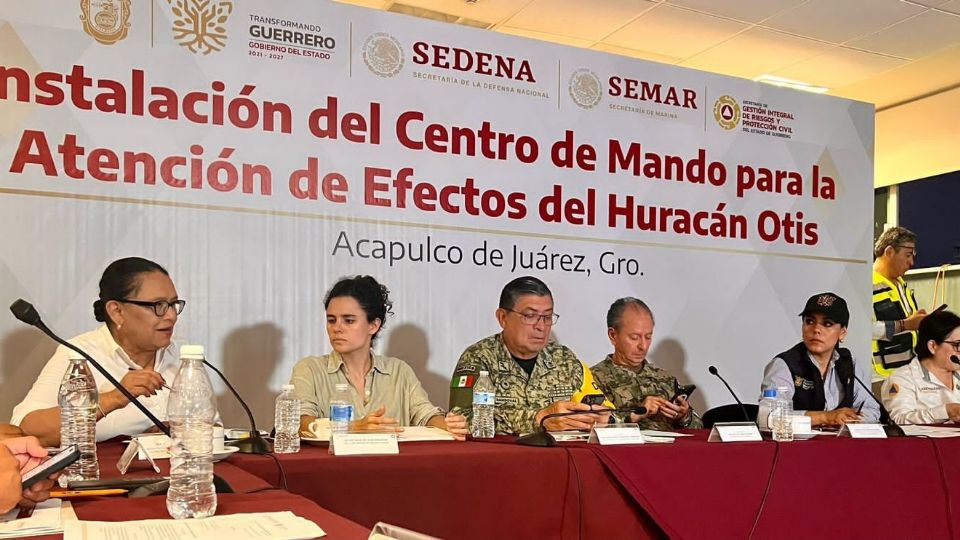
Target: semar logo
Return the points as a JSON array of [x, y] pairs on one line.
[[726, 111], [383, 55], [199, 25], [107, 21], [584, 88]]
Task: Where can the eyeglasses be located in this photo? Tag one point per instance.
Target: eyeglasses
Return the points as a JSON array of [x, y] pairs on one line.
[[159, 307], [548, 319], [956, 345]]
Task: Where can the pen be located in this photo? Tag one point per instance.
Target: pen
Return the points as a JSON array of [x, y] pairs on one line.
[[69, 493], [163, 384], [860, 407]]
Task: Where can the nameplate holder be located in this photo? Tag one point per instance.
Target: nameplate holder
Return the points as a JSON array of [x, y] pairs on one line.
[[153, 446], [364, 444], [734, 432], [863, 431], [126, 458], [613, 434]]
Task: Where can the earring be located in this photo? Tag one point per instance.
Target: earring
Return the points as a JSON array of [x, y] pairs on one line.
[[119, 325]]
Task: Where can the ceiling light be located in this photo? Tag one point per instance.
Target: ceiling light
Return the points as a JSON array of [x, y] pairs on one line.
[[790, 83]]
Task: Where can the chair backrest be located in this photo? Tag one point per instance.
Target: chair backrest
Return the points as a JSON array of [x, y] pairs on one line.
[[729, 413]]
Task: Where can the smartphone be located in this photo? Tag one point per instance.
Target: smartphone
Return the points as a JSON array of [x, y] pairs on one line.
[[593, 399], [683, 390], [61, 461]]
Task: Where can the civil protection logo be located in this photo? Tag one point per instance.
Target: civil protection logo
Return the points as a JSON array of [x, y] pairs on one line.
[[726, 111], [584, 88], [107, 21], [383, 54], [200, 25]]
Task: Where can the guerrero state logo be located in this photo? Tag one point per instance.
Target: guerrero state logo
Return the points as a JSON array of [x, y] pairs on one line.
[[106, 21], [726, 111], [199, 25], [584, 88], [383, 54]]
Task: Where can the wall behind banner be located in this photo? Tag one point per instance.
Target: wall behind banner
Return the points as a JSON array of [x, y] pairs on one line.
[[442, 160]]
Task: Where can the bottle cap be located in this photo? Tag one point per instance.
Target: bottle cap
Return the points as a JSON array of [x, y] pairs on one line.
[[74, 355], [769, 392], [191, 351], [286, 387], [482, 373]]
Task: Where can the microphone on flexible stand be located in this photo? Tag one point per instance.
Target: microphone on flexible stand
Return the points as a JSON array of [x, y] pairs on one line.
[[713, 371], [26, 313], [889, 426], [542, 437], [254, 443]]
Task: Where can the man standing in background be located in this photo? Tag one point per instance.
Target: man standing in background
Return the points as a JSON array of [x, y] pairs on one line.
[[895, 313]]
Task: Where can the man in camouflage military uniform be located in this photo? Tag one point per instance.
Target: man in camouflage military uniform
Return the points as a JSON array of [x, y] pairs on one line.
[[533, 376], [629, 380]]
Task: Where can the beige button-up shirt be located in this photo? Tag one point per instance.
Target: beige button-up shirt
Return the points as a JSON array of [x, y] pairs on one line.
[[391, 383]]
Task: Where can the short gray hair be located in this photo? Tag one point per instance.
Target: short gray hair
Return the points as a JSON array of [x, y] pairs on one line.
[[615, 313], [894, 237]]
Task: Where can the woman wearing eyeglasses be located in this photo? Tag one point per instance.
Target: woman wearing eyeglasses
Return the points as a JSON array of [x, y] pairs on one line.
[[385, 391], [139, 306], [927, 390]]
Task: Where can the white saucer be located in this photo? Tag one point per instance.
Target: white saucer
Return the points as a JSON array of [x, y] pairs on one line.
[[227, 450]]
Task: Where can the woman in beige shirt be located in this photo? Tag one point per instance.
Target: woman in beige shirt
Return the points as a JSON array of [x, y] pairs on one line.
[[385, 391]]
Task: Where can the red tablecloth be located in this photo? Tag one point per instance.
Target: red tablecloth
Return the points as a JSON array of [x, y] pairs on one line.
[[825, 487], [467, 490]]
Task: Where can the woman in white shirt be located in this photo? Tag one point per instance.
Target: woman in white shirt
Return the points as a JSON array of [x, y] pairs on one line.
[[927, 390], [139, 306]]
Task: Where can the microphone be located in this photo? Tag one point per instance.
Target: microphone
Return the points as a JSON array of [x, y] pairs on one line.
[[542, 437], [713, 371], [25, 312], [889, 426], [254, 443]]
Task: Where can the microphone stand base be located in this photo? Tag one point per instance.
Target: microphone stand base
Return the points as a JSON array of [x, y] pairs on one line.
[[254, 444], [540, 438]]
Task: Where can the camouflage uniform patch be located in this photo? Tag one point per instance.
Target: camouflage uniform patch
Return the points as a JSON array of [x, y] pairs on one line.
[[556, 376], [627, 388]]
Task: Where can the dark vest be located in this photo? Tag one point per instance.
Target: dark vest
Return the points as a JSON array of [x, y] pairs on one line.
[[808, 385]]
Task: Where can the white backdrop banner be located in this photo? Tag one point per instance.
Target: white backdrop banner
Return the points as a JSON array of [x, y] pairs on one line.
[[261, 150]]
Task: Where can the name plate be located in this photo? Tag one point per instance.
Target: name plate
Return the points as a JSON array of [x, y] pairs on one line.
[[364, 444], [734, 432], [863, 431], [156, 446], [616, 434]]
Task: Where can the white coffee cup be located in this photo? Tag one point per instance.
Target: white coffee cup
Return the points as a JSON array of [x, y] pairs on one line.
[[217, 439]]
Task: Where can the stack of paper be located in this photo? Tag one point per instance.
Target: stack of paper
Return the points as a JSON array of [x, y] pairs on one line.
[[44, 520], [274, 525], [321, 432]]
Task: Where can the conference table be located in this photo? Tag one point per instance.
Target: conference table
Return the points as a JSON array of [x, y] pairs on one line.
[[824, 487], [250, 494]]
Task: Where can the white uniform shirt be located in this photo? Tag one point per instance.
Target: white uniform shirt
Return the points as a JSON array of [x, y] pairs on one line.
[[101, 346], [915, 396]]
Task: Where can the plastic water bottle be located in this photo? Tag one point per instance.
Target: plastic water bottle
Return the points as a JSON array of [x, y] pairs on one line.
[[287, 422], [782, 417], [78, 400], [484, 404], [767, 403], [191, 410], [341, 411]]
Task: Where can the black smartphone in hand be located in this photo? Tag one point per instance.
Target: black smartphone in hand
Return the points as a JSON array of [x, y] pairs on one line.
[[683, 390], [57, 463]]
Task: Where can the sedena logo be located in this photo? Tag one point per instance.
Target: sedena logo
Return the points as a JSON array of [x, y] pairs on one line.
[[106, 21], [726, 111], [199, 25], [383, 55], [584, 88]]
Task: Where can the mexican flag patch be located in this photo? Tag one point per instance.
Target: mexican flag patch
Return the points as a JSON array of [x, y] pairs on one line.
[[463, 381]]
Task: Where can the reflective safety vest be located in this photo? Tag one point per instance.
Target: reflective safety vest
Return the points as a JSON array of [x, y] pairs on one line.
[[889, 305]]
